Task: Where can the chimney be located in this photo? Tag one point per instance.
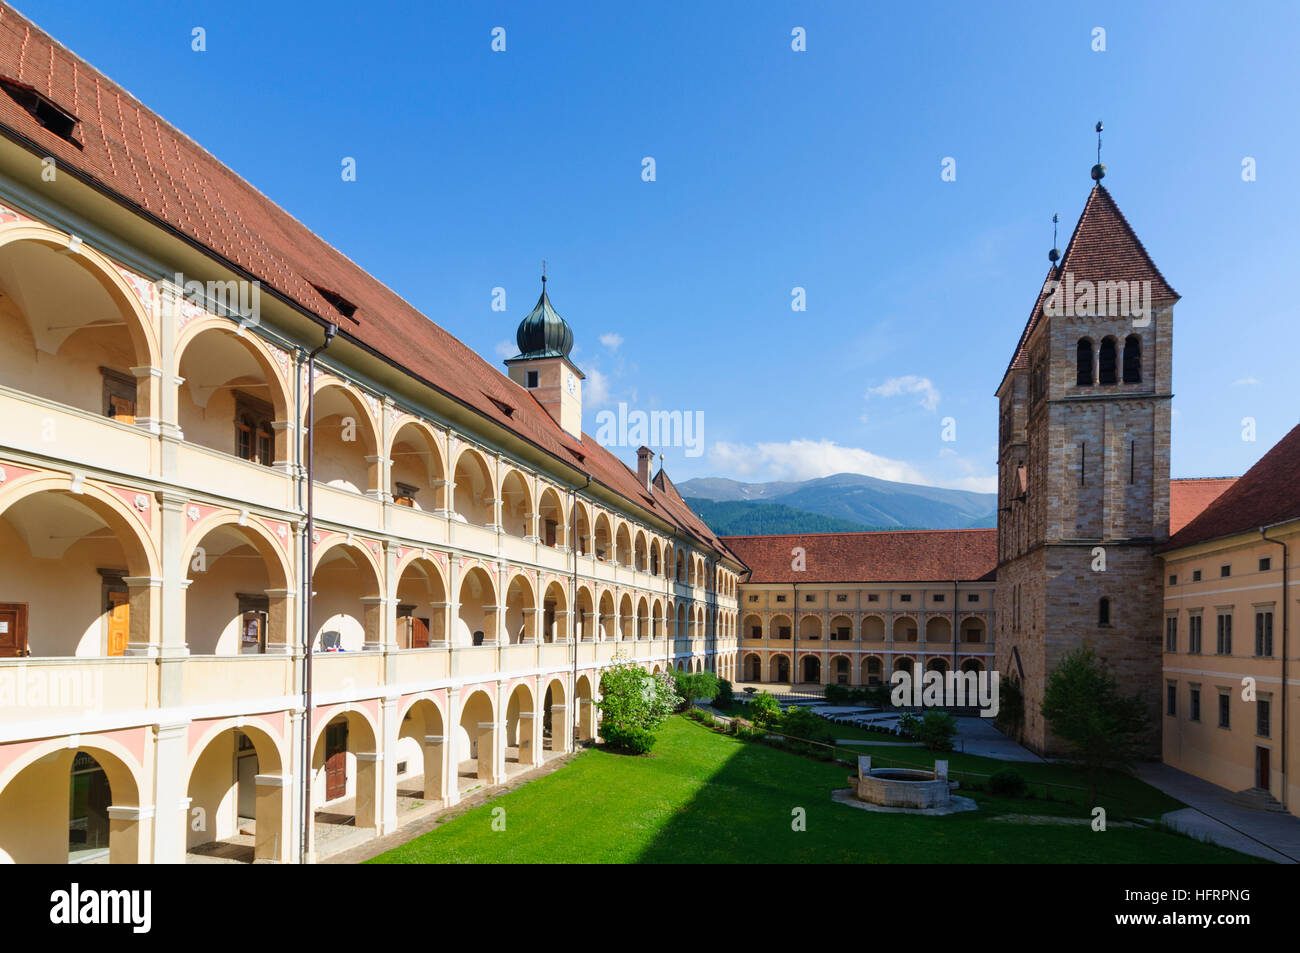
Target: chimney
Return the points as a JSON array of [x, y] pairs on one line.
[[643, 457]]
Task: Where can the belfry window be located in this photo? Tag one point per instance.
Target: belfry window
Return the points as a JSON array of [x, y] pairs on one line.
[[1103, 611], [1106, 362], [1132, 359], [1083, 363]]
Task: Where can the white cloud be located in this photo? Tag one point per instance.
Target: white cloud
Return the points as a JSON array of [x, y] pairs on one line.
[[1245, 382], [908, 384], [595, 390], [611, 340], [505, 349], [807, 460]]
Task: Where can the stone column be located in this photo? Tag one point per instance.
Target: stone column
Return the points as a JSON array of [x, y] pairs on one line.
[[171, 822], [561, 730], [487, 752], [368, 796], [389, 725], [586, 719], [279, 626], [128, 840], [435, 774], [274, 833], [526, 742], [373, 609]]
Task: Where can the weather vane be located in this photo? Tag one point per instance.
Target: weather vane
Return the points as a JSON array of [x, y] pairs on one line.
[[543, 272], [1098, 170], [1055, 254]]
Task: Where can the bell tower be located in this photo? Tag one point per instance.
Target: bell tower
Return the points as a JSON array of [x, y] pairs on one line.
[[543, 366], [1083, 467]]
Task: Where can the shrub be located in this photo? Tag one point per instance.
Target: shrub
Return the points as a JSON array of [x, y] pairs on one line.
[[697, 686], [726, 696], [936, 730], [629, 739], [838, 694], [1007, 782], [764, 710], [805, 723]]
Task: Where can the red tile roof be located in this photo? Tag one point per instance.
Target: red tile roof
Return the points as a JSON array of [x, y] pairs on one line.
[[1269, 492], [1188, 497], [931, 555], [1104, 247], [132, 154]]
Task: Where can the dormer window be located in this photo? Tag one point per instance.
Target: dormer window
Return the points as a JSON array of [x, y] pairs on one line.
[[341, 304], [41, 108]]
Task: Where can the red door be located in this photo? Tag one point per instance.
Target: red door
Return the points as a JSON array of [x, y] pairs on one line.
[[13, 629], [336, 761]]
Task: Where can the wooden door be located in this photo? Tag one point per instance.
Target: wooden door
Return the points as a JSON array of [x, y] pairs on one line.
[[121, 409], [336, 761], [1263, 777], [119, 622], [13, 629], [419, 633], [252, 640]]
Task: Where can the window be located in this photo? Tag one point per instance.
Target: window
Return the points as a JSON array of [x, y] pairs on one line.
[[1173, 580], [532, 378], [1225, 572], [1224, 640], [873, 597], [1196, 575], [1264, 633], [1103, 611], [753, 598], [1083, 363], [253, 434], [1262, 717], [1132, 359], [905, 597], [1194, 634], [938, 597], [404, 495], [119, 395], [1225, 699], [841, 597], [1194, 708], [1171, 699], [54, 118], [780, 598], [1171, 633], [1265, 564], [844, 633], [1106, 362], [972, 597], [1083, 464], [809, 598]]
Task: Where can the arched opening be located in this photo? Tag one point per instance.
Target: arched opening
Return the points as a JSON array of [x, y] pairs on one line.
[[516, 506], [972, 630], [421, 606], [1132, 359], [841, 669], [657, 613], [347, 602], [586, 708], [640, 555], [476, 742], [625, 619], [780, 628], [682, 631], [938, 629], [520, 743], [1083, 363], [71, 805], [623, 546], [780, 668], [873, 629], [871, 670], [655, 560], [902, 664], [346, 776], [905, 629], [421, 743], [607, 631], [604, 538], [972, 665], [418, 477], [752, 668], [476, 616], [555, 725], [555, 616], [521, 611], [680, 571], [1106, 361], [583, 538], [842, 629], [810, 628], [810, 669], [75, 575], [753, 627], [936, 665], [642, 619], [472, 494], [239, 600], [69, 332], [552, 525], [237, 787], [346, 451], [584, 616]]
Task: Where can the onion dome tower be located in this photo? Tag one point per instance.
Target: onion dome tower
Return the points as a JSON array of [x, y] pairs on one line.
[[543, 365]]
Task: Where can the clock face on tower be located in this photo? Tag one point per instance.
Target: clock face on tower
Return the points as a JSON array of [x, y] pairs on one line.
[[572, 384]]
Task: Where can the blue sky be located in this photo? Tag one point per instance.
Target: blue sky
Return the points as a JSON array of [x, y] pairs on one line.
[[774, 169]]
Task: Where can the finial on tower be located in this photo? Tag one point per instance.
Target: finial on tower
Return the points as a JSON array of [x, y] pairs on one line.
[[1098, 170], [543, 274], [1055, 254]]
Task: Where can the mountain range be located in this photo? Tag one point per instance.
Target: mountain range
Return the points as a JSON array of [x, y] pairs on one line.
[[842, 502]]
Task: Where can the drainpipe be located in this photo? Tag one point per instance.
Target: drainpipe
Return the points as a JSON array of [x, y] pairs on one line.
[[1286, 615], [573, 605], [330, 331], [954, 627], [794, 638]]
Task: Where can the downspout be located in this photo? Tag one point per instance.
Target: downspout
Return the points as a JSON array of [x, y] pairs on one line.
[[330, 331], [954, 627], [573, 604], [794, 636], [1286, 626]]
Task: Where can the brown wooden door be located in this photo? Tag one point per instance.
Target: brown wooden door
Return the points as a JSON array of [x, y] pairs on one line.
[[13, 629], [119, 622], [336, 761], [1263, 777], [419, 633], [121, 409]]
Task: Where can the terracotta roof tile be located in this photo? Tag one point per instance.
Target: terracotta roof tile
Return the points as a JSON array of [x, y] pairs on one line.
[[1188, 497], [935, 555], [131, 153], [1269, 492]]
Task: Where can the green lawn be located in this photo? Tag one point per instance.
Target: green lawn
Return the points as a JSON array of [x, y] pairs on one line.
[[702, 797]]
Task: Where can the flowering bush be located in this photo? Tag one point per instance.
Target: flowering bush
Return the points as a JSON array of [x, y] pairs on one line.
[[634, 703]]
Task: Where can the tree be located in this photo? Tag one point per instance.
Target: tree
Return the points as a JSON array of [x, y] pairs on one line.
[[633, 705], [764, 710], [697, 686], [1083, 706]]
